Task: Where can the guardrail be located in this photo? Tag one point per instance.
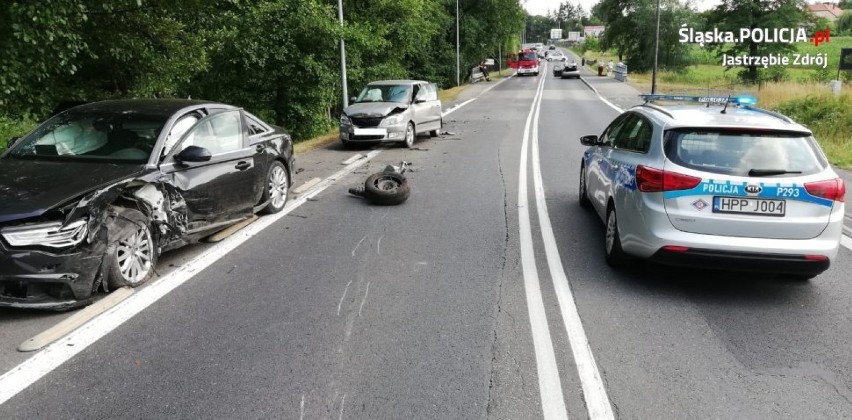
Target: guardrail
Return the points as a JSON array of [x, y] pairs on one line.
[[476, 74], [621, 72]]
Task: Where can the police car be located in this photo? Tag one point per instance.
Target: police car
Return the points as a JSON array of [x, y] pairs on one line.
[[720, 184]]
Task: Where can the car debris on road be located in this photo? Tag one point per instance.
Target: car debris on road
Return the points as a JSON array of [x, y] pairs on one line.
[[388, 187]]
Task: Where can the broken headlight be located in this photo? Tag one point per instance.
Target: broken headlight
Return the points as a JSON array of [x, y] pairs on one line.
[[344, 120], [52, 234], [391, 121]]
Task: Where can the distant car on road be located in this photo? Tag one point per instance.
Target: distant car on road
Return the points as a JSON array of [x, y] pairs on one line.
[[93, 195], [735, 187], [566, 70], [556, 56], [392, 111]]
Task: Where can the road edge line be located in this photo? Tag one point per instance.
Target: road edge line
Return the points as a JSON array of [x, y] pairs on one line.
[[846, 241], [611, 105]]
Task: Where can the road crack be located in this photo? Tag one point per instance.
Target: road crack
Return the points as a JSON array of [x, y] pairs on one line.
[[494, 345]]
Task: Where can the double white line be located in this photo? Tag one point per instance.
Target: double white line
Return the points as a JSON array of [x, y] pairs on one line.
[[550, 387]]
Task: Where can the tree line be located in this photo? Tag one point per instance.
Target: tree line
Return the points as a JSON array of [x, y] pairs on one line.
[[278, 58]]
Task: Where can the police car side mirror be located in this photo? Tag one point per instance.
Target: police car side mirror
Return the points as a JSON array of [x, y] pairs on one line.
[[590, 140]]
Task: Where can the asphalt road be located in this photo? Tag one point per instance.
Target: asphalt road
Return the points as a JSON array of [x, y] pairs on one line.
[[344, 310]]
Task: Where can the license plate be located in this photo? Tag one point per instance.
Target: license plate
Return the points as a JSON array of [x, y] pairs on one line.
[[744, 205], [370, 131]]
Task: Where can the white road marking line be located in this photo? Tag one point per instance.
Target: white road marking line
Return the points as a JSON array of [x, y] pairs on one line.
[[379, 245], [308, 184], [549, 384], [611, 105], [75, 321], [457, 107], [343, 297], [594, 392], [359, 244], [364, 300], [54, 355], [846, 241], [343, 401], [40, 364], [352, 159], [302, 408]]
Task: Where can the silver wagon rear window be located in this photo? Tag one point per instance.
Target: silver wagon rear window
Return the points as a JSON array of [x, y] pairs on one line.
[[739, 153]]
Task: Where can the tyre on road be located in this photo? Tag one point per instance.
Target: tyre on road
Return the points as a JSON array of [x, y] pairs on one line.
[[132, 251], [386, 188], [277, 188], [615, 256]]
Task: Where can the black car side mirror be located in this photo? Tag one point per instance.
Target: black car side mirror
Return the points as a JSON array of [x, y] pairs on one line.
[[12, 141], [419, 100], [353, 99], [193, 154], [591, 140]]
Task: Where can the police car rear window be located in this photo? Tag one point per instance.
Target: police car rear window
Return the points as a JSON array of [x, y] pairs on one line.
[[735, 152]]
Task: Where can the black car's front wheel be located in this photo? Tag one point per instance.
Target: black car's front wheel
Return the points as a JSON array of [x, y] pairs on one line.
[[133, 253], [277, 188]]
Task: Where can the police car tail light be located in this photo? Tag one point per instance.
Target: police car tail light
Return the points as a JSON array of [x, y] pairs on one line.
[[832, 189], [654, 180]]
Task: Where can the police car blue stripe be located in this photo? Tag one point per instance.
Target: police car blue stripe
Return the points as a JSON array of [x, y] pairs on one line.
[[778, 191]]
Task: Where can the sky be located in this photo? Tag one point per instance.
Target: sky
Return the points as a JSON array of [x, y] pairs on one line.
[[540, 7]]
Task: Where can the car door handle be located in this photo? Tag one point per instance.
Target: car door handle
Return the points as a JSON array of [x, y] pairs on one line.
[[243, 165]]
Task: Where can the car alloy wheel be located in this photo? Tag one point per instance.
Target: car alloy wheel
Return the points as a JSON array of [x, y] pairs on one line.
[[278, 186], [134, 255], [409, 135], [611, 231]]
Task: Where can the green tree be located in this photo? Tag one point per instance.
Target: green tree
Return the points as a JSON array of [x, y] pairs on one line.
[[844, 24], [631, 32], [731, 15]]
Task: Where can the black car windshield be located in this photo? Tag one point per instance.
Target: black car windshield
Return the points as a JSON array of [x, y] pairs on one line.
[[385, 93], [88, 135], [528, 57], [744, 153]]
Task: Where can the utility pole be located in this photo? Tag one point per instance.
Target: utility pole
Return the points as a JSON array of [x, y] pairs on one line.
[[458, 56], [656, 53], [342, 56]]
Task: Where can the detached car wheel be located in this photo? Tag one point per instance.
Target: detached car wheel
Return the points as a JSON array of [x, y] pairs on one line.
[[277, 188], [133, 253], [386, 188], [615, 256]]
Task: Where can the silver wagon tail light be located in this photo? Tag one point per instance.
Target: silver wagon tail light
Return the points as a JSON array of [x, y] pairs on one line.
[[655, 180], [831, 189]]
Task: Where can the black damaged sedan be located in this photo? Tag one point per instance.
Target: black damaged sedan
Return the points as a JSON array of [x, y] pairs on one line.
[[92, 196]]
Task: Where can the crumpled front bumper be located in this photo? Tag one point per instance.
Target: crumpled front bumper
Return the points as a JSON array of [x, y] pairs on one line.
[[42, 279], [352, 133]]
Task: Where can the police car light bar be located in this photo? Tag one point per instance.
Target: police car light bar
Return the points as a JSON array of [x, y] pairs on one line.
[[739, 100]]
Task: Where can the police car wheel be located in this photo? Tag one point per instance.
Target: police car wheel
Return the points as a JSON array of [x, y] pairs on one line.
[[615, 256]]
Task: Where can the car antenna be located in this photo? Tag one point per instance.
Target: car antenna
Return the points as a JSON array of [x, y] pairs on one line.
[[725, 109]]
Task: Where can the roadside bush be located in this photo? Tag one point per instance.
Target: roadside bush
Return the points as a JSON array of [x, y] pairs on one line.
[[12, 128], [829, 118]]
